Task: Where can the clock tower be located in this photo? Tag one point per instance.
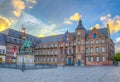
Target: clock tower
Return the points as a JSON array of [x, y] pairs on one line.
[[80, 44]]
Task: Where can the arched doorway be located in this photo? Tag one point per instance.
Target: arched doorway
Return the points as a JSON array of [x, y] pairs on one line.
[[79, 63], [69, 61], [1, 59]]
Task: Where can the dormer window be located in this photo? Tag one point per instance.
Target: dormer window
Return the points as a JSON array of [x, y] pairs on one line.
[[94, 35]]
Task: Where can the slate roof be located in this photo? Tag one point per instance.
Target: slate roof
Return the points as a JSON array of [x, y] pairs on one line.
[[103, 31], [2, 39], [47, 39], [52, 38], [18, 34]]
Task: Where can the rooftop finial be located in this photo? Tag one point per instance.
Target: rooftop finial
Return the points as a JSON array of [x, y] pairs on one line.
[[80, 22]]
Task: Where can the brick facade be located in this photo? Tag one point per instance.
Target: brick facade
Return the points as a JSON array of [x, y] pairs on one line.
[[84, 47]]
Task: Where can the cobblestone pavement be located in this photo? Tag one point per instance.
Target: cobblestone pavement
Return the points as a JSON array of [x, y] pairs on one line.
[[60, 74]]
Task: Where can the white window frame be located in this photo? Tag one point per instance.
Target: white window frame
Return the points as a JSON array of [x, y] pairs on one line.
[[91, 59], [97, 59], [96, 41], [103, 59]]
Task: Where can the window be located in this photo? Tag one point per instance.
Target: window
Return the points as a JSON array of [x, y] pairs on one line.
[[61, 51], [96, 41], [78, 41], [74, 43], [15, 40], [103, 41], [73, 50], [103, 58], [91, 59], [91, 42], [86, 50], [103, 49], [94, 35], [86, 42], [40, 59], [65, 51], [60, 59], [55, 51], [48, 52], [55, 59], [51, 52], [91, 50], [3, 51], [97, 59], [69, 50], [97, 49], [55, 45], [51, 59], [44, 59], [47, 59], [86, 59]]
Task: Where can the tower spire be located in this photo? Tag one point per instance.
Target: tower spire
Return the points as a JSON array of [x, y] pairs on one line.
[[80, 26]]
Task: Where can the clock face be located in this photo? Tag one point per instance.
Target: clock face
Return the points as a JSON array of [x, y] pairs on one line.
[[79, 33]]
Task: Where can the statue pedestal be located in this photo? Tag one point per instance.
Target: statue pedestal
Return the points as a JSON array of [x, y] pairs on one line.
[[28, 59]]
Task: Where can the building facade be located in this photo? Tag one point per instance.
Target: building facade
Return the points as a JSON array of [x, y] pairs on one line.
[[79, 48], [2, 48]]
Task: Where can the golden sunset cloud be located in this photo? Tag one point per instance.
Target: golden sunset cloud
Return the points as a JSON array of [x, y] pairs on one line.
[[4, 23]]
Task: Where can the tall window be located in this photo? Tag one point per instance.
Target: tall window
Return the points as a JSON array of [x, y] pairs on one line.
[[96, 41], [91, 50], [55, 59], [51, 59], [103, 58], [60, 59], [86, 42], [94, 35], [65, 51], [86, 59], [103, 41], [44, 59], [69, 50], [78, 41], [91, 59], [97, 49], [74, 50], [61, 51], [86, 50], [55, 51], [97, 59], [3, 51], [103, 49], [91, 42]]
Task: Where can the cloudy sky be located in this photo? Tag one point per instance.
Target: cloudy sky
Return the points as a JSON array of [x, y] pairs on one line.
[[51, 17]]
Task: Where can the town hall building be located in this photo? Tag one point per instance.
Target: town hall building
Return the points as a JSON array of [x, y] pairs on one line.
[[80, 48]]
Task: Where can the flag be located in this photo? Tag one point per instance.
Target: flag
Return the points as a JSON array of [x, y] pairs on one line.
[[15, 51]]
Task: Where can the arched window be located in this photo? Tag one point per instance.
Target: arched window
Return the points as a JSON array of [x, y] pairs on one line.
[[94, 35]]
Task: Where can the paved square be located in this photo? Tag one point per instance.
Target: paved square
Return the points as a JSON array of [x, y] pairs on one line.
[[67, 74]]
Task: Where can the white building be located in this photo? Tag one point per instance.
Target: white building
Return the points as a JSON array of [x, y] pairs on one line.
[[2, 48]]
